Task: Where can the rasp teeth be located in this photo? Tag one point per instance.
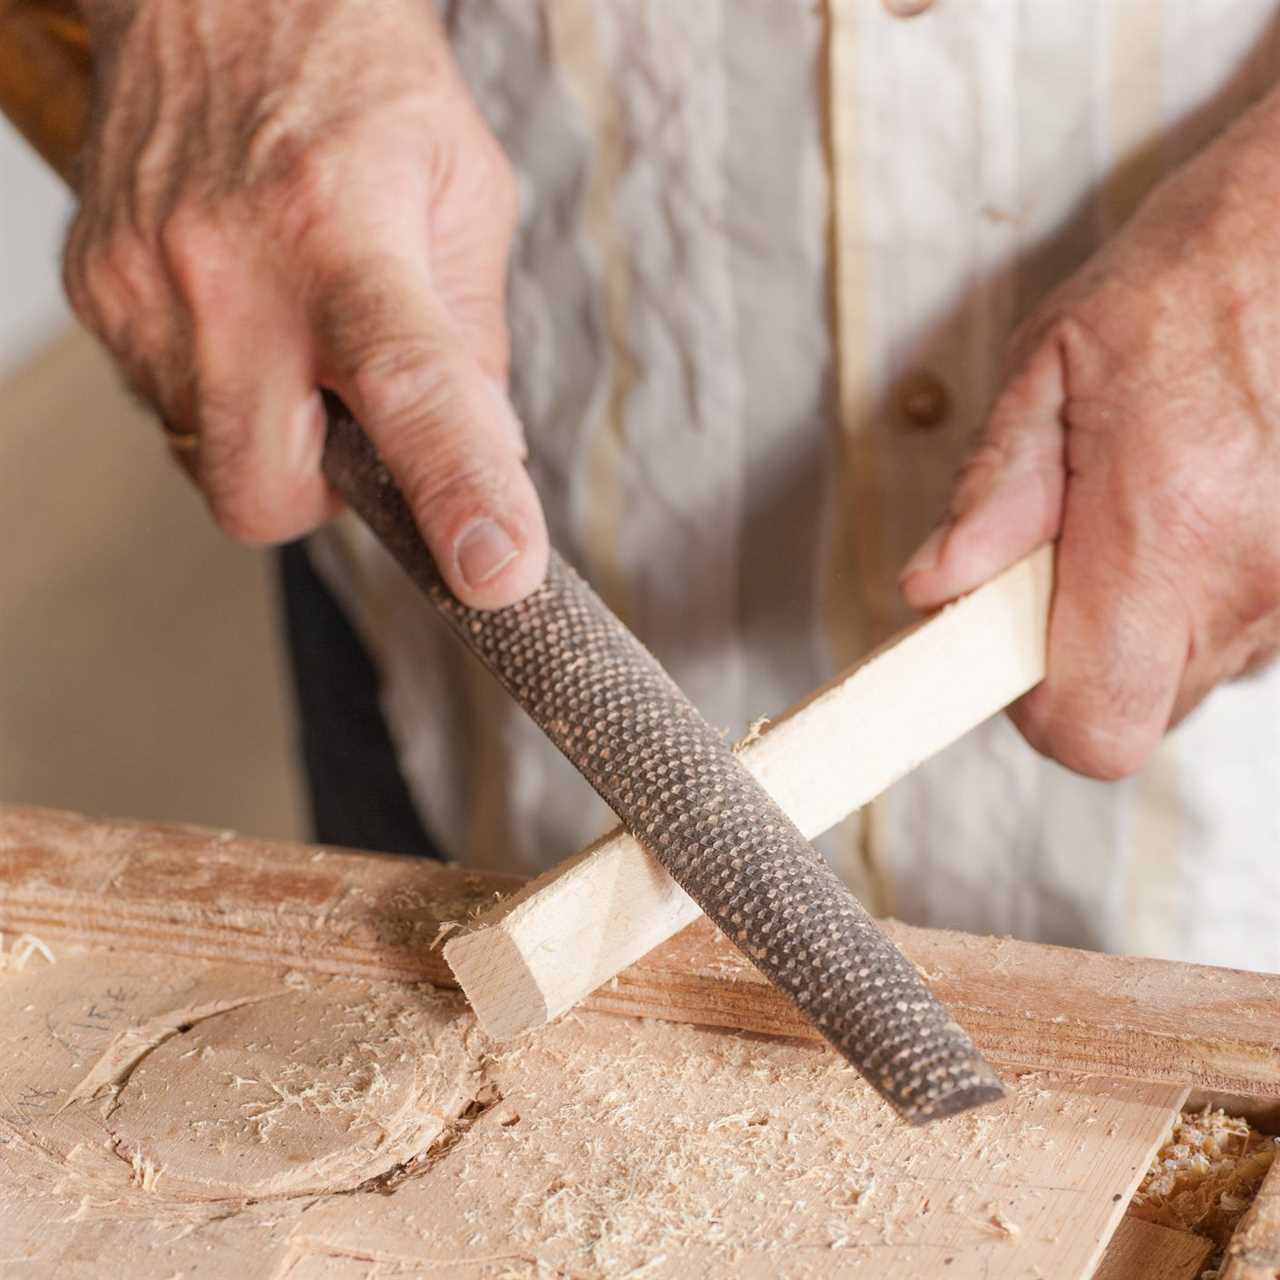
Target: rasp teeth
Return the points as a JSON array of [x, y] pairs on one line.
[[602, 698]]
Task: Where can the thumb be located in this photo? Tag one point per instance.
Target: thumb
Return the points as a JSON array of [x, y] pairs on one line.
[[444, 428], [1008, 497]]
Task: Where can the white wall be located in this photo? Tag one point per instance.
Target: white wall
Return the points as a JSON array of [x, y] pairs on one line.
[[34, 211], [141, 669]]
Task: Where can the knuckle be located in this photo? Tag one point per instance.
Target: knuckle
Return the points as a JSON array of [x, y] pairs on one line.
[[452, 488], [496, 178], [73, 269], [1253, 600], [241, 516], [1100, 728], [406, 381], [300, 197], [1066, 330], [1106, 754], [229, 485], [113, 286], [1266, 582], [252, 503], [114, 273], [277, 145], [1072, 735], [196, 254], [76, 288], [978, 472]]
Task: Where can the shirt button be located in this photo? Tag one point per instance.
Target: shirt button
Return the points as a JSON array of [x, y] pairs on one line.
[[922, 400], [907, 8]]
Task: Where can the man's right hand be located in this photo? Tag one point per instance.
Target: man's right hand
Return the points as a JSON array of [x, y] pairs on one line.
[[280, 195]]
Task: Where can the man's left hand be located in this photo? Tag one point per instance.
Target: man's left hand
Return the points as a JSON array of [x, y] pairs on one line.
[[1140, 427]]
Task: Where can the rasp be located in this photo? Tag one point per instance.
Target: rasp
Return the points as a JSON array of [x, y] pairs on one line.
[[674, 783], [612, 710]]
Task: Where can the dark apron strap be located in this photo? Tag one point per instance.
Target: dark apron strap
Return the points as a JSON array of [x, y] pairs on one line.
[[358, 796]]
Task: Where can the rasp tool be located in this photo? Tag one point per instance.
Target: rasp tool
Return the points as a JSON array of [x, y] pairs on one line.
[[610, 708], [608, 705]]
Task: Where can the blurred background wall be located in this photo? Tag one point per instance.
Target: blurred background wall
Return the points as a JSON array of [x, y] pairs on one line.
[[141, 670]]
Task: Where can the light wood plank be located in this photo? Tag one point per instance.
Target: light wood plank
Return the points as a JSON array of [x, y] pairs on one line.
[[574, 928], [672, 1152], [183, 1117], [1254, 1250], [185, 892], [1144, 1251]]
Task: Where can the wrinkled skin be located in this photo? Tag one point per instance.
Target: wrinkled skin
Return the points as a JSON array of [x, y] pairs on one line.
[[281, 196], [1140, 427]]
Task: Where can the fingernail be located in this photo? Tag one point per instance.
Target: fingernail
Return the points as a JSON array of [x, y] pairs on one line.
[[928, 553], [483, 551]]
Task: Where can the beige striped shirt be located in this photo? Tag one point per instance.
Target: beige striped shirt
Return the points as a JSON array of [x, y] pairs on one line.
[[768, 257]]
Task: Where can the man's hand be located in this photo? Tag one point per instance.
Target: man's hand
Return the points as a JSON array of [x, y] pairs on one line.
[[1140, 425], [278, 197]]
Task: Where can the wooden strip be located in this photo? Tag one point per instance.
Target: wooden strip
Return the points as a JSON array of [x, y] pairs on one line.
[[1144, 1251], [181, 891], [1254, 1250], [189, 892], [576, 927]]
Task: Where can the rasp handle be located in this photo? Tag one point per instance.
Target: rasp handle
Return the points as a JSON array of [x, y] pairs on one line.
[[605, 702]]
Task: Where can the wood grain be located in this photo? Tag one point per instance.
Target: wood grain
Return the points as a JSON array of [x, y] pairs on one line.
[[1141, 1250], [185, 892], [669, 1153], [1254, 1250], [573, 929], [228, 1121]]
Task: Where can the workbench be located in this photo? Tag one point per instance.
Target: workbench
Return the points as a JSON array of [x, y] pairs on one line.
[[235, 1058]]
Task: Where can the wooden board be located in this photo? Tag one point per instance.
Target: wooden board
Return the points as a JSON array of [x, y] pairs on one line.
[[1254, 1251], [547, 948], [185, 892], [1144, 1251], [244, 1123]]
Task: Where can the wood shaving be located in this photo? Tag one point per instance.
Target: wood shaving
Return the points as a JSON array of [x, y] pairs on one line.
[[755, 731], [1205, 1176]]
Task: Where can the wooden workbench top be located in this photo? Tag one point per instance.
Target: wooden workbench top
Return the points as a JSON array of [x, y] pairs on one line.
[[241, 1057]]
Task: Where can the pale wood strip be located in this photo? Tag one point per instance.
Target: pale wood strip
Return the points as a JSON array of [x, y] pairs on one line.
[[577, 926]]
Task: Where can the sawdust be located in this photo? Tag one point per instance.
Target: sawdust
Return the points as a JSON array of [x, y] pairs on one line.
[[317, 1092], [317, 1127], [634, 1148], [755, 731], [131, 1077], [1205, 1176]]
